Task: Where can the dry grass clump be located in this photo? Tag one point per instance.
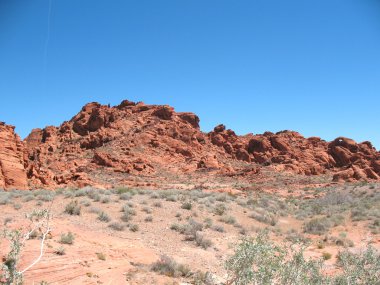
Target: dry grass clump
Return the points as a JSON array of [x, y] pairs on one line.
[[264, 217], [73, 208], [67, 238], [168, 267], [317, 226], [104, 217], [117, 226]]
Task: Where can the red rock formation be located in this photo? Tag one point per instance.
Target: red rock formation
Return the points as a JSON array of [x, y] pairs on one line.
[[106, 146], [12, 171]]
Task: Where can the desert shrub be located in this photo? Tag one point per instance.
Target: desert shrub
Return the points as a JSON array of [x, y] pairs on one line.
[[68, 194], [116, 226], [362, 268], [60, 251], [7, 220], [45, 196], [101, 256], [326, 255], [221, 197], [201, 241], [94, 195], [176, 227], [103, 217], [147, 210], [128, 213], [208, 223], [264, 217], [154, 196], [342, 241], [67, 238], [28, 198], [259, 261], [157, 204], [189, 230], [4, 200], [317, 226], [125, 196], [10, 271], [95, 210], [81, 192], [296, 237], [220, 209], [228, 220], [359, 214], [187, 206], [375, 226], [218, 228], [34, 234], [134, 228], [168, 267], [105, 200], [123, 190], [86, 203], [172, 198], [148, 219], [128, 209], [192, 228], [126, 217], [73, 208], [17, 206]]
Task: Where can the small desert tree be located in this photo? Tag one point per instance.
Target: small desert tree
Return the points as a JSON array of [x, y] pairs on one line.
[[10, 273]]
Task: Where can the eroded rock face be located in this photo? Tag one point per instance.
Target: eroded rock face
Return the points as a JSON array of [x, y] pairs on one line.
[[105, 146], [12, 171]]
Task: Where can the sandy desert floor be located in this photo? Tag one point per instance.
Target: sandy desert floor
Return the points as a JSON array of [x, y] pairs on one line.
[[118, 234]]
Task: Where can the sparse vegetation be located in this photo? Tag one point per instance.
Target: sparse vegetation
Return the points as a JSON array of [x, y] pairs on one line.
[[104, 217], [60, 251], [101, 256], [215, 221], [187, 206], [134, 228], [167, 266], [117, 226], [67, 238], [317, 226], [73, 208]]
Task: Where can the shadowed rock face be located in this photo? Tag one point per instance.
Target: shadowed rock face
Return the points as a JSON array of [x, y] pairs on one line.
[[104, 146]]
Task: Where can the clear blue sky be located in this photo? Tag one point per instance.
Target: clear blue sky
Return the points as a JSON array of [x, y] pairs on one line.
[[254, 65]]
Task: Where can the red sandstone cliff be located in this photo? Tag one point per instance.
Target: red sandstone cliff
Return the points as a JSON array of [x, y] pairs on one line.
[[105, 146], [12, 169]]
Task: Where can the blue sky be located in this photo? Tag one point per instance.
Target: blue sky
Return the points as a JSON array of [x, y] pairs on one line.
[[255, 65]]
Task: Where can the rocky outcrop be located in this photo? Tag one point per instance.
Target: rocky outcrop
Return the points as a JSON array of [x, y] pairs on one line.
[[359, 161], [12, 170], [106, 146]]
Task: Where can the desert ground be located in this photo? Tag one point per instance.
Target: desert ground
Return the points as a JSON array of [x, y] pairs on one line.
[[118, 236]]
